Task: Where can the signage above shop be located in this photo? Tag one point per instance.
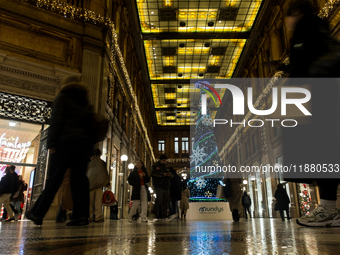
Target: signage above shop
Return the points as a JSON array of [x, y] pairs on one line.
[[13, 143]]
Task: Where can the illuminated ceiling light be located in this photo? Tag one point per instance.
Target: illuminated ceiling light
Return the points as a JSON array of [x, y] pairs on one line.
[[152, 12], [155, 57], [182, 24], [12, 124], [152, 23], [218, 22], [154, 54], [153, 48]]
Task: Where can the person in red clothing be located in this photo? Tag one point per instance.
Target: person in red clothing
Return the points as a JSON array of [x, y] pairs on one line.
[[138, 178]]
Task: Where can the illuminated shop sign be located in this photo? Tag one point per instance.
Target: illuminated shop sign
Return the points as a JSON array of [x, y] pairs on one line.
[[13, 144], [12, 150]]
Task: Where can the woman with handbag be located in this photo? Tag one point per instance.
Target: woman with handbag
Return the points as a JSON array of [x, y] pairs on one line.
[[139, 178], [282, 201]]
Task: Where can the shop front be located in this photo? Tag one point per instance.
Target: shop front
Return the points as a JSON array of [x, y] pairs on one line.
[[22, 124]]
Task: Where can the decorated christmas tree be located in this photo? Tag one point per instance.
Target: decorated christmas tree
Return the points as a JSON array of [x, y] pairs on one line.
[[304, 199], [203, 182]]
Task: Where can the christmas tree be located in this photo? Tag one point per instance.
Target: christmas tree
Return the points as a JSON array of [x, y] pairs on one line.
[[203, 182], [304, 199]]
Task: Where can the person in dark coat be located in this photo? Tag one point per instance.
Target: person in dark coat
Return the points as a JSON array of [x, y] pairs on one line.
[[282, 201], [317, 143], [70, 142], [18, 196], [6, 191], [175, 194], [161, 176], [139, 178], [246, 203]]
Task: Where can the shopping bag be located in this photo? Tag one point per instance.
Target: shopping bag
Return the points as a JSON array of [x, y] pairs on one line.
[[97, 174], [108, 199], [220, 192]]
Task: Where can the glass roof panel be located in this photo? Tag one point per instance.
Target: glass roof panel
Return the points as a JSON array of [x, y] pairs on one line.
[[196, 16]]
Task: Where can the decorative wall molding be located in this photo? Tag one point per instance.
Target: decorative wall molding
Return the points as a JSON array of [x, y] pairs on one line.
[[26, 85]]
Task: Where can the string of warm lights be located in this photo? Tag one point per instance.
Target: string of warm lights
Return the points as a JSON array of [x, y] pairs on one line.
[[325, 11], [69, 11]]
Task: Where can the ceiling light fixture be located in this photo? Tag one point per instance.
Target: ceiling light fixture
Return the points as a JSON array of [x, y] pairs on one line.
[[152, 12], [211, 24], [182, 24]]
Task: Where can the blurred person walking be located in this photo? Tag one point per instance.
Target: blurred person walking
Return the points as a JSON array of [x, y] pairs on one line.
[[282, 201], [161, 181], [6, 191], [246, 203], [19, 197], [70, 142], [175, 194], [315, 143], [184, 204], [139, 178]]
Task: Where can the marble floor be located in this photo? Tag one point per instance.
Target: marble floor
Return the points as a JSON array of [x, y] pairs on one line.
[[254, 236]]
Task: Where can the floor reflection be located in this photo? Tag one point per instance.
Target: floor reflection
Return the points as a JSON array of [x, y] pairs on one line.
[[252, 236]]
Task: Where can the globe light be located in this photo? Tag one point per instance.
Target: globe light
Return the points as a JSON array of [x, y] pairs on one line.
[[245, 182], [131, 166], [124, 158]]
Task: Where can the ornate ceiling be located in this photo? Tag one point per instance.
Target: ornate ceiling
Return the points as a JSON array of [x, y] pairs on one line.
[[186, 40]]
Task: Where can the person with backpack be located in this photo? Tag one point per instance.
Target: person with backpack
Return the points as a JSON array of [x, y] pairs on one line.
[[246, 203]]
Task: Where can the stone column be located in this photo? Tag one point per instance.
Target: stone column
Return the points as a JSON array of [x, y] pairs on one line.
[[91, 71]]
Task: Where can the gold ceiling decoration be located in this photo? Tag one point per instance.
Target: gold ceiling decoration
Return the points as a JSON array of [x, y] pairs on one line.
[[174, 56]]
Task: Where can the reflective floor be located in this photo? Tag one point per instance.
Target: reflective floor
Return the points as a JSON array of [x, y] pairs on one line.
[[255, 236]]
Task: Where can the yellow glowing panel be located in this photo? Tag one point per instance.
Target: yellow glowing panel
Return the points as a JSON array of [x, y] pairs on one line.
[[171, 117], [190, 51], [149, 15], [191, 69], [169, 61], [197, 14], [170, 95]]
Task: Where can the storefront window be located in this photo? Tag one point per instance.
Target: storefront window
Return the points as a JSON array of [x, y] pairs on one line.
[[19, 143]]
